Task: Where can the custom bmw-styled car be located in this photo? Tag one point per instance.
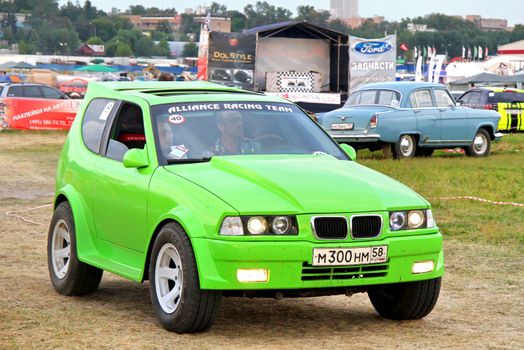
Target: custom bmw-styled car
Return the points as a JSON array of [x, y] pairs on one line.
[[208, 191], [507, 101], [410, 118]]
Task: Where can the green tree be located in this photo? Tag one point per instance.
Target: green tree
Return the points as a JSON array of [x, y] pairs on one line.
[[94, 40], [264, 13], [238, 20], [164, 27], [162, 49], [309, 14], [123, 50], [137, 10], [190, 50], [217, 10], [143, 47]]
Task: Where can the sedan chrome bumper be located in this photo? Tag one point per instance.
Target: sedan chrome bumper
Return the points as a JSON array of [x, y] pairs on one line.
[[498, 136], [356, 137]]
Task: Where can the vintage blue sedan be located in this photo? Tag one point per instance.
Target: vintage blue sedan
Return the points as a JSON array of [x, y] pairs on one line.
[[410, 119]]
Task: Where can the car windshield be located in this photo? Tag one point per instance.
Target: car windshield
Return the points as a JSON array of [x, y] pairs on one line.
[[188, 132], [374, 97]]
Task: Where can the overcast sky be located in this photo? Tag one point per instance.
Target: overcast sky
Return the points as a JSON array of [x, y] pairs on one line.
[[512, 10]]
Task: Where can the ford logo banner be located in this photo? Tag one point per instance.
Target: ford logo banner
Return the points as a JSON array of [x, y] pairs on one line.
[[373, 47]]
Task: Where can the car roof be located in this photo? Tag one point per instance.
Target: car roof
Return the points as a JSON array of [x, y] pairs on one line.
[[161, 92], [498, 89], [401, 86]]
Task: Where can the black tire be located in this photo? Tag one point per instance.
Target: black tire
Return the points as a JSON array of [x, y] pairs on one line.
[[424, 152], [480, 146], [69, 276], [405, 301], [405, 147], [195, 309]]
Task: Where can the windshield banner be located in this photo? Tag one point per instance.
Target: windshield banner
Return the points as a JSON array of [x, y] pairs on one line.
[[371, 60], [37, 114], [231, 59]]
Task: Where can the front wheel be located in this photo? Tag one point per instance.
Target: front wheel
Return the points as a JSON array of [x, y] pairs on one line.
[[405, 301], [406, 147], [480, 146], [179, 303]]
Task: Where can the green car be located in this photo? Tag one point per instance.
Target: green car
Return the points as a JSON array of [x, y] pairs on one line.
[[208, 191]]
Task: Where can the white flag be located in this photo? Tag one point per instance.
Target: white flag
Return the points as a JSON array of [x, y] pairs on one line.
[[418, 71], [463, 52], [436, 74], [430, 69], [480, 52]]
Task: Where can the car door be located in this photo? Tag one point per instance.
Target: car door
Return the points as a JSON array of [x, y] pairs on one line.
[[119, 193], [453, 120], [427, 116]]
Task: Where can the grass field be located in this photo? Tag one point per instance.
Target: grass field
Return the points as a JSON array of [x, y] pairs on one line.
[[481, 304]]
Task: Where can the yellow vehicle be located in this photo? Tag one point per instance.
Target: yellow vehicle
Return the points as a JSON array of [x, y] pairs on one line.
[[507, 101]]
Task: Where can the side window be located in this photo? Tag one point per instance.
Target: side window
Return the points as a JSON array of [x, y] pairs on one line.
[[443, 99], [32, 91], [368, 97], [94, 121], [15, 91], [422, 98], [475, 98], [49, 92], [465, 98], [127, 132]]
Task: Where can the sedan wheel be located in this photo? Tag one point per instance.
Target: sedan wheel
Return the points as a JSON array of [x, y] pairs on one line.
[[179, 303], [68, 275], [405, 147], [480, 146], [169, 278], [60, 249]]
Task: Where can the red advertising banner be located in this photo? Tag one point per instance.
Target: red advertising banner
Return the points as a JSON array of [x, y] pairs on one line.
[[38, 113]]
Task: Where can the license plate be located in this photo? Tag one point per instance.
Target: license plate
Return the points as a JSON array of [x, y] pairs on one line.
[[350, 256], [513, 111], [346, 126]]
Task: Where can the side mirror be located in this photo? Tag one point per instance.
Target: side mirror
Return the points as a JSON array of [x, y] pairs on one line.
[[350, 151], [136, 158]]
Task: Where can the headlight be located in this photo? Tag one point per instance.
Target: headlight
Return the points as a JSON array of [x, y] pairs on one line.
[[259, 225], [281, 225], [397, 220], [410, 220], [416, 219], [232, 226], [256, 225]]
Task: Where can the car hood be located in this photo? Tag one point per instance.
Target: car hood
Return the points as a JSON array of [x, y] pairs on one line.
[[359, 116], [298, 184]]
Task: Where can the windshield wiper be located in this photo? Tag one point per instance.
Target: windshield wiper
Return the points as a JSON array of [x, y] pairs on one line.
[[188, 161]]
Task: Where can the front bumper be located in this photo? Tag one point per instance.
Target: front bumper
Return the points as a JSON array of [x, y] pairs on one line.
[[356, 137], [289, 262], [498, 136]]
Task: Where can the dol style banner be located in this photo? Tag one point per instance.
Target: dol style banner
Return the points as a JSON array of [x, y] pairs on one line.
[[231, 59], [371, 60]]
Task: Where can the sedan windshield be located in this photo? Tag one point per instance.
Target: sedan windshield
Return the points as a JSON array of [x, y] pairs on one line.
[[374, 97], [188, 132]]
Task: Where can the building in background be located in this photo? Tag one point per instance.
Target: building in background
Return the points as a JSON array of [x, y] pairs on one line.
[[149, 24], [216, 24], [489, 24], [344, 9]]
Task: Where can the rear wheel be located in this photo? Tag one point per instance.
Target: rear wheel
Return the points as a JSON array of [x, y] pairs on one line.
[[405, 301], [68, 275], [480, 146], [179, 303], [405, 147]]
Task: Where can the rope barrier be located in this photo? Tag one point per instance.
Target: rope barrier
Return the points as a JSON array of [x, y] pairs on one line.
[[15, 214], [483, 200]]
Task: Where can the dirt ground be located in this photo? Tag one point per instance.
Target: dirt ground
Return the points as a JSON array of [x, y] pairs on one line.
[[481, 304]]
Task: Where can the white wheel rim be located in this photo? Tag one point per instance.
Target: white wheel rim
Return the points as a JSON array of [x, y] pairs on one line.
[[406, 146], [169, 278], [61, 248], [480, 144]]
